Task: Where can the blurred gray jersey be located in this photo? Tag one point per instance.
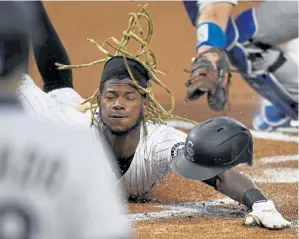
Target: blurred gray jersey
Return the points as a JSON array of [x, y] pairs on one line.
[[55, 183]]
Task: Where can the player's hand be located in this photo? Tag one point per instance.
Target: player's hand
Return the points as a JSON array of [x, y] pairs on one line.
[[265, 215], [209, 74]]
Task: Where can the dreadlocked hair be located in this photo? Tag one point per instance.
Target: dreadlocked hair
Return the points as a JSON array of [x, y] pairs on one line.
[[155, 112]]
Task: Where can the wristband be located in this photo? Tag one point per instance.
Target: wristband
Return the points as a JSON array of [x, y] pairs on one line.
[[251, 196], [208, 33]]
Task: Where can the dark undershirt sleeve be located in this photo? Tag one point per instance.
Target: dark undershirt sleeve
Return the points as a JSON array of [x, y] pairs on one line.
[[48, 50]]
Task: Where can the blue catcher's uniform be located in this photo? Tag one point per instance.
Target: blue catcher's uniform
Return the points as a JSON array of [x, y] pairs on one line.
[[251, 43]]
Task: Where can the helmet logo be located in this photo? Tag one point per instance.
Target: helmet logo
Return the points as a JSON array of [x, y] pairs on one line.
[[190, 152]]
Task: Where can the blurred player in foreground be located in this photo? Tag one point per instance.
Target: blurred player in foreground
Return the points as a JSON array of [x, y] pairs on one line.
[[251, 43], [124, 109], [52, 183]]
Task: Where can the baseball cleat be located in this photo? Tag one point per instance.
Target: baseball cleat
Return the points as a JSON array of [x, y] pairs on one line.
[[271, 118]]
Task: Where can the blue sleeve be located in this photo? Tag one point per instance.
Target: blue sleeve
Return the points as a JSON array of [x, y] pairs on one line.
[[192, 10]]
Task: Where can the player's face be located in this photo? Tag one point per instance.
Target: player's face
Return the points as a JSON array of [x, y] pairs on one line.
[[121, 106]]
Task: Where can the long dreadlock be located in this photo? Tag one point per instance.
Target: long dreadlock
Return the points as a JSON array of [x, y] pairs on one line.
[[155, 112]]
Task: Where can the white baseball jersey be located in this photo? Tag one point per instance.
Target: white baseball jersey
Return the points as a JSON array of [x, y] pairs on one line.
[[153, 154], [51, 107], [55, 183], [151, 160]]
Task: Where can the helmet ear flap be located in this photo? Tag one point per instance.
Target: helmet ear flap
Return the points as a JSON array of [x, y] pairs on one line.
[[249, 150]]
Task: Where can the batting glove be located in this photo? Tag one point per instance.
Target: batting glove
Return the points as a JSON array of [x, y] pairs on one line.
[[265, 214]]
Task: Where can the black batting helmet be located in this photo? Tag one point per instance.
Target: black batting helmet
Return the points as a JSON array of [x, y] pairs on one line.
[[14, 39], [213, 147]]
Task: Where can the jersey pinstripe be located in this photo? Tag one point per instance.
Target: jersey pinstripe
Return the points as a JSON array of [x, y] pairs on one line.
[[150, 163], [151, 160], [50, 109]]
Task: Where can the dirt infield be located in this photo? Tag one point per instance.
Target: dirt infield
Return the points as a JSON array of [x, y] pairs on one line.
[[182, 208]]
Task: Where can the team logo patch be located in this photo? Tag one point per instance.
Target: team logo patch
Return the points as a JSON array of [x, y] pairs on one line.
[[190, 151], [177, 148]]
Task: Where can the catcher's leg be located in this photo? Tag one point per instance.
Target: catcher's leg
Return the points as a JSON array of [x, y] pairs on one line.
[[271, 72], [260, 25], [277, 22], [270, 117]]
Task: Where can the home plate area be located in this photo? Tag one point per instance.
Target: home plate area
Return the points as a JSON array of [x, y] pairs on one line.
[[182, 208]]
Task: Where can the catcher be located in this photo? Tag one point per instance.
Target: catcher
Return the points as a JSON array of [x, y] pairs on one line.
[[251, 43], [133, 123]]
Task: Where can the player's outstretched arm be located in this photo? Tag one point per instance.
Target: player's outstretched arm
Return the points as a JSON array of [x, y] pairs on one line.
[[212, 149], [240, 188], [47, 47]]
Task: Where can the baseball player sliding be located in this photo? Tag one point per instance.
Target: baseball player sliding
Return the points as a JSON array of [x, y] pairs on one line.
[[251, 43], [124, 109], [47, 183]]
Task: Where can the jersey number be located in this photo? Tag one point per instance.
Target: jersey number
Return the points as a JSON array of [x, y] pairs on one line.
[[15, 222]]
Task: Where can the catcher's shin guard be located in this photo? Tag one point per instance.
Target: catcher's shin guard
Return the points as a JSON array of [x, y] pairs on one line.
[[264, 67], [268, 87]]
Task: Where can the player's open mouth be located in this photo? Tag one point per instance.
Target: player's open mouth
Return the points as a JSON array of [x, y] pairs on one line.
[[118, 116]]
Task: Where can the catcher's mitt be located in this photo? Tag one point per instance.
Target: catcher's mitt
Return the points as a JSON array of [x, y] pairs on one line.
[[210, 74]]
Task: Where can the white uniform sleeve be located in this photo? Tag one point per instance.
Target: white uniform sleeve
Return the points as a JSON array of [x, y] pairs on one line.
[[202, 3], [38, 103], [93, 204], [33, 99]]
